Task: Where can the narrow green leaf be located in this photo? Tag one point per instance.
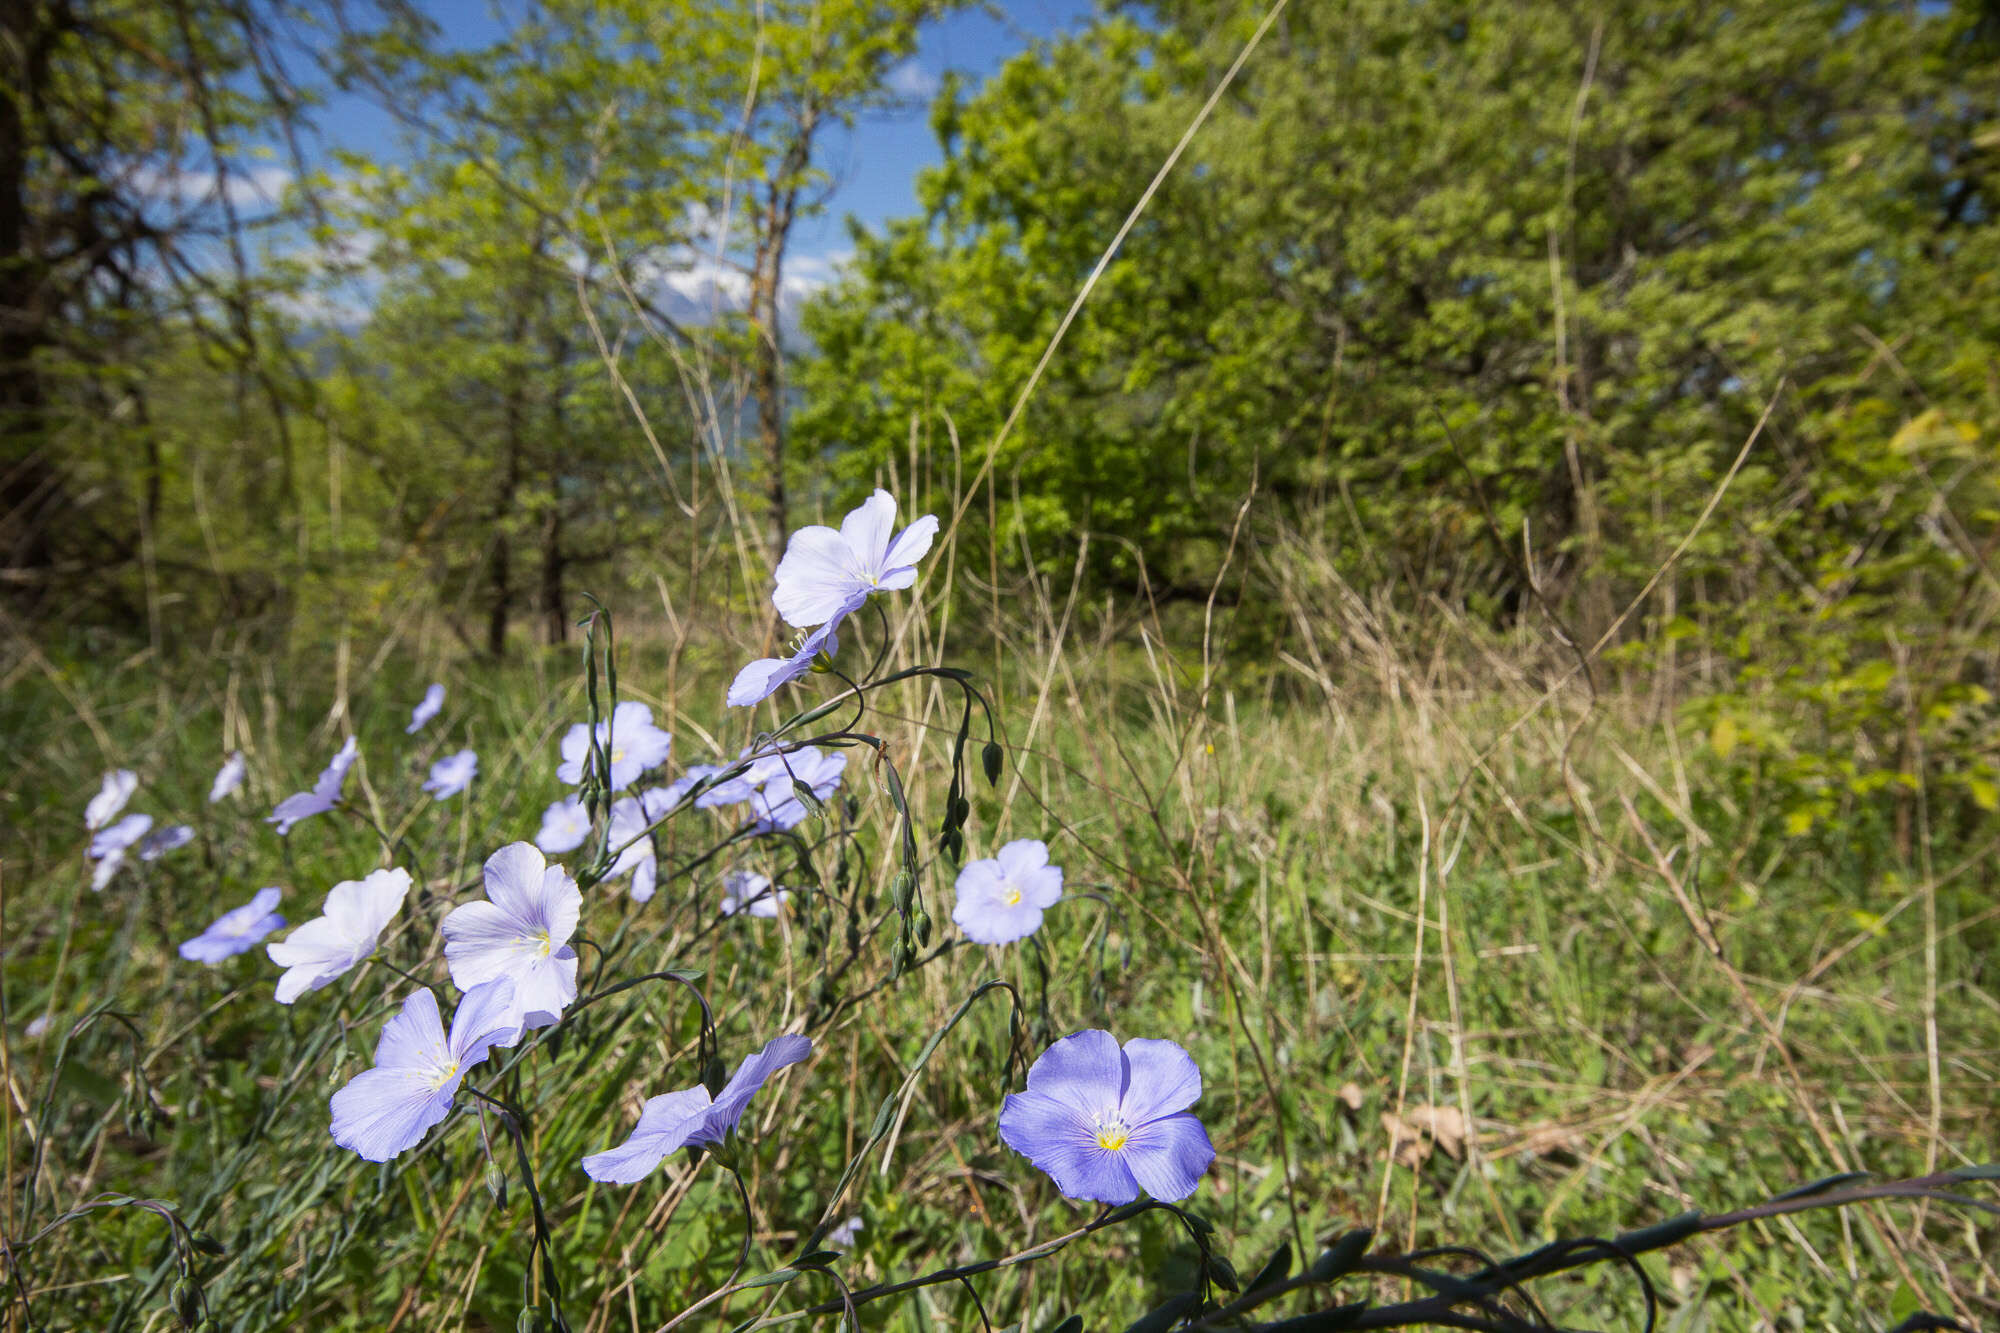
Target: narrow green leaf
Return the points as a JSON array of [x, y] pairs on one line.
[[1339, 1258], [1822, 1185], [1165, 1315], [1275, 1270]]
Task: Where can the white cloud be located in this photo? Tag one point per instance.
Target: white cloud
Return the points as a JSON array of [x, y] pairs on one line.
[[912, 80], [704, 283], [806, 275], [246, 187], [704, 286]]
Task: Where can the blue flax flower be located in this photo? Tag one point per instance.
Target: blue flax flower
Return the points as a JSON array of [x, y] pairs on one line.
[[825, 574], [328, 946], [108, 848], [521, 933], [238, 930], [1107, 1123], [1002, 898], [163, 840], [117, 788], [632, 820], [635, 744], [565, 826], [748, 891], [322, 798], [738, 789], [120, 836], [664, 799], [777, 804], [387, 1110], [228, 778], [762, 678], [683, 1119], [427, 708], [452, 775]]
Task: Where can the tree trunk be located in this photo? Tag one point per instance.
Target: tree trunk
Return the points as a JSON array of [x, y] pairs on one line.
[[30, 489], [555, 613], [499, 594], [499, 568], [767, 287]]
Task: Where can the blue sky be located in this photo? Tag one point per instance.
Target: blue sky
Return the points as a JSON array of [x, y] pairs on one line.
[[874, 168]]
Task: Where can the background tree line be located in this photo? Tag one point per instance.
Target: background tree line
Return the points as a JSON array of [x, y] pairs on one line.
[[1476, 307]]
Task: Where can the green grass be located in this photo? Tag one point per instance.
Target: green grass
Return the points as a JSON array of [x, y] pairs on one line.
[[1347, 905]]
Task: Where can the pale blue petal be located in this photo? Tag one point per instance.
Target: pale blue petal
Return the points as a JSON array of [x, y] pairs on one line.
[[488, 1016], [118, 839], [427, 708], [1168, 1157], [735, 1096], [911, 545], [866, 531], [117, 788], [565, 826], [1085, 1071], [513, 878], [816, 578], [228, 778], [1022, 857], [382, 1113], [762, 678], [414, 1037], [1057, 1139], [666, 1123], [1163, 1079]]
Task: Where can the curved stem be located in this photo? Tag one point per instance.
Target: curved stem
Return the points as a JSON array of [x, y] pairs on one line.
[[399, 970], [516, 1124], [389, 844], [882, 650]]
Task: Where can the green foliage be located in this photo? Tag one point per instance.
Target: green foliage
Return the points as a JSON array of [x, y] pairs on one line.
[[1426, 264]]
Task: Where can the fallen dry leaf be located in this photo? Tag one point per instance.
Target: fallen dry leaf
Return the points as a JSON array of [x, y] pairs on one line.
[[1412, 1133]]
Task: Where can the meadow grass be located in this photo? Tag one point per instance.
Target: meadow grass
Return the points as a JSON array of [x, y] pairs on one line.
[[1466, 953]]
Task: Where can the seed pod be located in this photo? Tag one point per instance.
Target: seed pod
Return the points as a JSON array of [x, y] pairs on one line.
[[187, 1303]]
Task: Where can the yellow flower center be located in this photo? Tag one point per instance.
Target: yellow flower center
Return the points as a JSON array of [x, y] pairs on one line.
[[1011, 898], [618, 756], [446, 1072], [1112, 1137]]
